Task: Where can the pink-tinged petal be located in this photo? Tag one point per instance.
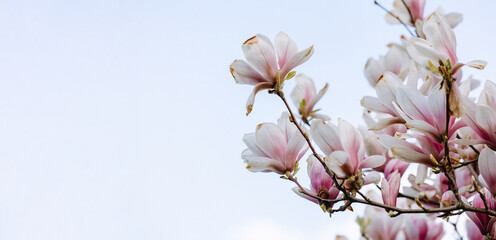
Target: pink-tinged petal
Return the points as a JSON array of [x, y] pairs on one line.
[[243, 73], [395, 165], [251, 143], [414, 104], [478, 64], [311, 104], [326, 136], [390, 189], [448, 199], [251, 98], [304, 89], [386, 88], [339, 163], [422, 52], [473, 232], [262, 164], [409, 155], [487, 167], [385, 122], [270, 138], [295, 150], [440, 34], [423, 127], [470, 119], [260, 53], [299, 193], [488, 94], [454, 19], [417, 9], [296, 60], [437, 106], [372, 162], [352, 142], [285, 48], [376, 105], [486, 117], [390, 142]]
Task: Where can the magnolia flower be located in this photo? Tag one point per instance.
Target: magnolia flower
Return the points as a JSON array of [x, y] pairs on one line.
[[395, 61], [321, 185], [264, 70], [274, 148], [344, 149], [473, 232], [378, 225], [481, 117], [487, 167], [390, 189], [484, 222], [429, 153], [305, 97], [423, 228]]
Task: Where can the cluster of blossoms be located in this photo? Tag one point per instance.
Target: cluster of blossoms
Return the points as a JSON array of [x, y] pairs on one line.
[[422, 119]]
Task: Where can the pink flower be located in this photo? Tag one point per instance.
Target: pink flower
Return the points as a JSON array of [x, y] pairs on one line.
[[390, 189], [473, 232], [264, 70], [415, 8], [274, 148], [396, 61], [423, 228], [322, 184], [305, 96], [379, 225], [484, 222], [344, 148]]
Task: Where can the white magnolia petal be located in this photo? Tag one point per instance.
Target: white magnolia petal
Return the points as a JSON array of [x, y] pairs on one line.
[[385, 122], [373, 71], [414, 104], [390, 142], [301, 194], [260, 53], [285, 48], [295, 150], [311, 104], [352, 142], [272, 140], [486, 117], [251, 99], [376, 105], [243, 73], [425, 128], [409, 155], [263, 164], [304, 89], [296, 60], [479, 64], [372, 162], [422, 52], [454, 19], [372, 178], [326, 136], [386, 88], [488, 94], [338, 162], [251, 142]]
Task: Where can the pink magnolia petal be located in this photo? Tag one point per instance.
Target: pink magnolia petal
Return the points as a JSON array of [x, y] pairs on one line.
[[409, 155], [326, 136], [311, 104], [271, 139], [296, 60], [414, 104], [263, 164], [422, 52], [285, 48], [486, 117], [376, 105], [437, 106], [487, 166], [372, 178], [243, 73], [440, 34], [251, 143], [373, 71], [304, 89], [339, 163], [260, 53], [299, 193], [372, 162], [352, 142]]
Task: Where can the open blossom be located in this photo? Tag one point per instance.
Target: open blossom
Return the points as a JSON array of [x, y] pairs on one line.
[[321, 185], [481, 117], [423, 228], [266, 66], [305, 96], [274, 148], [395, 61], [390, 189], [484, 222], [344, 148], [377, 224]]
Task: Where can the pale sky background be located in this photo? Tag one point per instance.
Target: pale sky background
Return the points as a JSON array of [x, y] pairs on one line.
[[120, 119]]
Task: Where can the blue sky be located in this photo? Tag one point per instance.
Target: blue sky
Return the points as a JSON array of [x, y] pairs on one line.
[[120, 119]]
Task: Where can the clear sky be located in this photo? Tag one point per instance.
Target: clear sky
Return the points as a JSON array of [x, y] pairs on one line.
[[120, 119]]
